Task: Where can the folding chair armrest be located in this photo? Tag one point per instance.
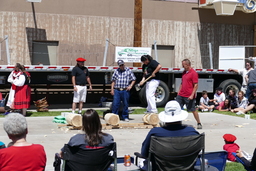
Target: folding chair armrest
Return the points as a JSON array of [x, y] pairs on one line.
[[138, 155], [237, 158], [57, 162]]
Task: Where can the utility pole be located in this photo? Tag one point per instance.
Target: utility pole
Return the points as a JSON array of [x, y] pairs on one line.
[[254, 40], [137, 26]]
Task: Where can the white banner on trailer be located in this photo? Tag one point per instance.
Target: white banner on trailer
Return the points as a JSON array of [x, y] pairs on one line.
[[131, 54], [231, 57], [34, 0]]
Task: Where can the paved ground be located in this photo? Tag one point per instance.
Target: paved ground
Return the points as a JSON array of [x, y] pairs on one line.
[[41, 130]]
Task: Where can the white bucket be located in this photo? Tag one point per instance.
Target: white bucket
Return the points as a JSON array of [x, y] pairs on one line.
[[64, 114], [247, 116], [106, 104]]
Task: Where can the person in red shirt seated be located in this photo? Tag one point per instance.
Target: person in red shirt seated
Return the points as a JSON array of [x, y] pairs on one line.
[[230, 146], [20, 155]]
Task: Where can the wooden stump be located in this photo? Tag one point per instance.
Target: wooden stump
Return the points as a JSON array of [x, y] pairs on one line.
[[144, 118], [112, 119], [41, 105], [74, 119], [151, 119], [2, 110]]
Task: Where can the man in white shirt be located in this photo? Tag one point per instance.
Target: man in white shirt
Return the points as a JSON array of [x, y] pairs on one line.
[[219, 96], [243, 72]]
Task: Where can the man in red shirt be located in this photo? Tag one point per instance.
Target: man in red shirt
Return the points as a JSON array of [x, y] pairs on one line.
[[187, 91]]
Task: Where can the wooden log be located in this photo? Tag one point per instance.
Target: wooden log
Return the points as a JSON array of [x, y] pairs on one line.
[[153, 119], [144, 118], [74, 119], [42, 106], [129, 126], [112, 119], [42, 110], [2, 110]]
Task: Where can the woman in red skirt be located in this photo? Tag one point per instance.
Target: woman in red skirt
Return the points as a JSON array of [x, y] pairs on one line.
[[20, 84]]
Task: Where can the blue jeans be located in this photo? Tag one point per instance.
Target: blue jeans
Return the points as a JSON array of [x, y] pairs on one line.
[[250, 87], [119, 96]]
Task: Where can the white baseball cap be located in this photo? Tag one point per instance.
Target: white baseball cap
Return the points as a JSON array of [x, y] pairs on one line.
[[172, 113]]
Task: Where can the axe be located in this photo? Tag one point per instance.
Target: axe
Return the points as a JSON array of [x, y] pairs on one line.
[[137, 86]]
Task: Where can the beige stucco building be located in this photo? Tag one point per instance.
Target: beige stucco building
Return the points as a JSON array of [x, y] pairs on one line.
[[65, 29]]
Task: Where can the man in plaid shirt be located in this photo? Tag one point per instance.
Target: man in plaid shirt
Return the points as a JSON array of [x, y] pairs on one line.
[[122, 81]]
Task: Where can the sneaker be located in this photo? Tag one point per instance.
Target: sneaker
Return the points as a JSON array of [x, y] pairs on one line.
[[239, 113], [147, 112], [199, 126], [211, 110], [205, 110], [126, 120]]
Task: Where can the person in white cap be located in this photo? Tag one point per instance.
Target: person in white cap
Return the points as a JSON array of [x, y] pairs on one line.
[[172, 118], [123, 80]]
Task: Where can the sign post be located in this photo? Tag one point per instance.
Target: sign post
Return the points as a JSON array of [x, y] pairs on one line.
[[137, 27]]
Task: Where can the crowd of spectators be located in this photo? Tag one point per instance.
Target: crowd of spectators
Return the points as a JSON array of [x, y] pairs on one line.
[[221, 102]]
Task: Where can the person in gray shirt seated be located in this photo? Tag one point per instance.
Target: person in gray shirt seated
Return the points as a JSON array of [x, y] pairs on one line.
[[251, 77]]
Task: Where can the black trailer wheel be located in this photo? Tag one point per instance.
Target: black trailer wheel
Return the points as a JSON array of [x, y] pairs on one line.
[[162, 95], [142, 96], [230, 84]]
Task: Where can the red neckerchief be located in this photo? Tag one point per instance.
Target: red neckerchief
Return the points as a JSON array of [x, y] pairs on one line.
[[219, 93]]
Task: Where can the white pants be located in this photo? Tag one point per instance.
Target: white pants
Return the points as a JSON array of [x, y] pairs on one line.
[[150, 95], [80, 94]]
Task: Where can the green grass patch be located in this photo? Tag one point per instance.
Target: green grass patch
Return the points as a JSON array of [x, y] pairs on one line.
[[136, 111], [252, 115], [234, 166]]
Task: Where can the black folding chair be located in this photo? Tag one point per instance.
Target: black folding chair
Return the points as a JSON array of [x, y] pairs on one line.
[[175, 153], [77, 159], [216, 159]]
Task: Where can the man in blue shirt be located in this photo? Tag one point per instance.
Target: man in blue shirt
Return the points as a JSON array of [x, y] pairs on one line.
[[171, 117], [122, 81]]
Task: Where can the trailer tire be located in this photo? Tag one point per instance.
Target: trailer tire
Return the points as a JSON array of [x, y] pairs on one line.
[[142, 96], [162, 95], [230, 84]]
